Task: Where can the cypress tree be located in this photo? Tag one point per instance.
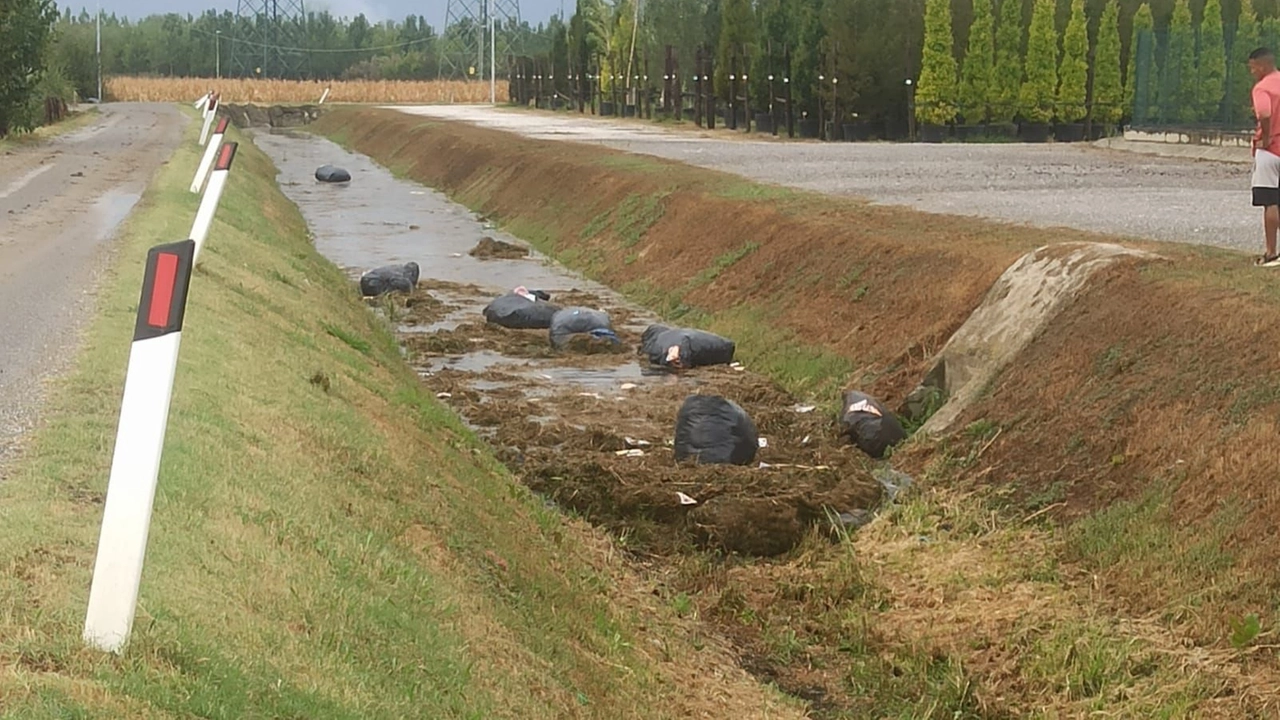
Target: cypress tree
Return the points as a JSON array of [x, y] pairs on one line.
[[1247, 38], [1271, 32], [979, 63], [1073, 73], [1038, 90], [1143, 74], [1107, 91], [737, 29], [1178, 96], [1006, 77], [936, 94], [1212, 64]]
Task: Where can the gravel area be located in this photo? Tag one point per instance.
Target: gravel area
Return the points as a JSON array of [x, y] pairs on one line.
[[1168, 199]]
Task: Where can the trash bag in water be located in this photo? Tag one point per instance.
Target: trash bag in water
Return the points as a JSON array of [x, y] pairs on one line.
[[521, 309], [331, 174], [685, 347], [869, 424], [389, 278], [713, 430], [571, 321]]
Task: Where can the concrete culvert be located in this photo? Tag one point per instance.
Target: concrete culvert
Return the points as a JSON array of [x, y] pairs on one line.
[[521, 309], [713, 430], [685, 347], [332, 174], [579, 321], [389, 278], [869, 424]]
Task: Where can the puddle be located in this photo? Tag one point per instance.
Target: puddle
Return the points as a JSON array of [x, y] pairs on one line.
[[110, 209], [590, 429]]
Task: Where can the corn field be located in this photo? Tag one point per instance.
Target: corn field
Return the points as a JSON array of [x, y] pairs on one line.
[[241, 90]]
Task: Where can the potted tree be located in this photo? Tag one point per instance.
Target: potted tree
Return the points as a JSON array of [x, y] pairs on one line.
[[936, 91], [1073, 77], [1006, 76], [1108, 94], [975, 73], [1038, 92]]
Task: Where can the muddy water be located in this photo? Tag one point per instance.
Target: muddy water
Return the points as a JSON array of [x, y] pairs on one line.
[[590, 429], [379, 219]]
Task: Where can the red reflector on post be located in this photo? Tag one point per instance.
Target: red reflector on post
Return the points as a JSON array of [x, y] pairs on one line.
[[225, 157], [222, 126], [162, 291]]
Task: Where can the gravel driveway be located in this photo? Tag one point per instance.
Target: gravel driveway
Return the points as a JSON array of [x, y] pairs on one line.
[[1115, 192]]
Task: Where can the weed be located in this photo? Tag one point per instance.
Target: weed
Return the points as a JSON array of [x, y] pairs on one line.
[[357, 344], [720, 264]]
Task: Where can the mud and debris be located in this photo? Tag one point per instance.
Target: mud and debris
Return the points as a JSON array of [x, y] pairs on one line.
[[490, 248], [591, 429]]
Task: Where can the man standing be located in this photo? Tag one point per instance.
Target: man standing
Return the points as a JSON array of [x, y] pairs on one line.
[[1266, 148]]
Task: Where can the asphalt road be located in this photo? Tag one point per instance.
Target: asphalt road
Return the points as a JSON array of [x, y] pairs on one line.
[[60, 203], [1168, 199]]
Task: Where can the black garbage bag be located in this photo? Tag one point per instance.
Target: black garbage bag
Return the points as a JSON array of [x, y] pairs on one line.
[[685, 347], [869, 424], [389, 278], [571, 321], [521, 309], [331, 174], [712, 430]]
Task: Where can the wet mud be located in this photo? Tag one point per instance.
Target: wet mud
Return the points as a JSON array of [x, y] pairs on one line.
[[590, 427]]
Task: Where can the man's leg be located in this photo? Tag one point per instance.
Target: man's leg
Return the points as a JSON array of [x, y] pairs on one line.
[[1266, 195], [1271, 223]]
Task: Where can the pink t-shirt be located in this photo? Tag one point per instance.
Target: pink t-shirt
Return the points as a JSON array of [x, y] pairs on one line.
[[1266, 104]]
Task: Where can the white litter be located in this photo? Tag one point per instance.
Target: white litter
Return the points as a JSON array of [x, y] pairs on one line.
[[444, 395], [685, 499], [737, 366], [629, 386], [632, 442], [455, 254], [764, 443], [634, 452], [590, 395], [804, 408], [805, 441], [416, 192]]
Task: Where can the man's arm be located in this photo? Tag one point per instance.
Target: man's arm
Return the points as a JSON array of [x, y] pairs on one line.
[[1262, 110]]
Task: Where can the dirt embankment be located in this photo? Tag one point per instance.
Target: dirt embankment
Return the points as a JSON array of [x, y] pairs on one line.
[[1142, 418]]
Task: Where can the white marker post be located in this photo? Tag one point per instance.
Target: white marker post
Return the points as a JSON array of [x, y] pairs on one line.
[[144, 415], [202, 104], [323, 95], [210, 152], [210, 113], [212, 194]]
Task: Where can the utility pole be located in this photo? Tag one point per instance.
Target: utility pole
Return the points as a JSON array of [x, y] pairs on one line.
[[99, 49], [217, 54], [493, 52]]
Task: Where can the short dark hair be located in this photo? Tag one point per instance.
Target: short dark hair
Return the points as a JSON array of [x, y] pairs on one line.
[[1262, 54]]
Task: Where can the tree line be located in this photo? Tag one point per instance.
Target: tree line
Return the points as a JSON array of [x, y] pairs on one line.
[[970, 61], [1187, 69]]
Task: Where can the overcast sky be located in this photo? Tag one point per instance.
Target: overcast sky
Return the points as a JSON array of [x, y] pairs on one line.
[[534, 11]]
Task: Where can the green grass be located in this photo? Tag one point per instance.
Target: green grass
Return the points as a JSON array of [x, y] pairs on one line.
[[723, 262], [328, 540]]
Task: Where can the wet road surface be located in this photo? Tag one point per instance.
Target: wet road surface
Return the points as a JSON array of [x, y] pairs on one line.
[[61, 202], [1076, 186]]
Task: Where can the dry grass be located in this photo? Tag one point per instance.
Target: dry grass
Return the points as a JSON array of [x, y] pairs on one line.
[[239, 90]]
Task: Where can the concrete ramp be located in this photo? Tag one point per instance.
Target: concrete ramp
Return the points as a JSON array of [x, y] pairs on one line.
[[1018, 307]]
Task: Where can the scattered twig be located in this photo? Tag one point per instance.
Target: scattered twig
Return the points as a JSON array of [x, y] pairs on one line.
[[1042, 511]]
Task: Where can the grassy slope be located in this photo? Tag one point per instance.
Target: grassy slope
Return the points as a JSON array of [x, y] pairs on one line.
[[327, 542], [74, 121], [1130, 603]]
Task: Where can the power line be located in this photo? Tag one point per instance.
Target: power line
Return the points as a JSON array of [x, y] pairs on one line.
[[284, 48]]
